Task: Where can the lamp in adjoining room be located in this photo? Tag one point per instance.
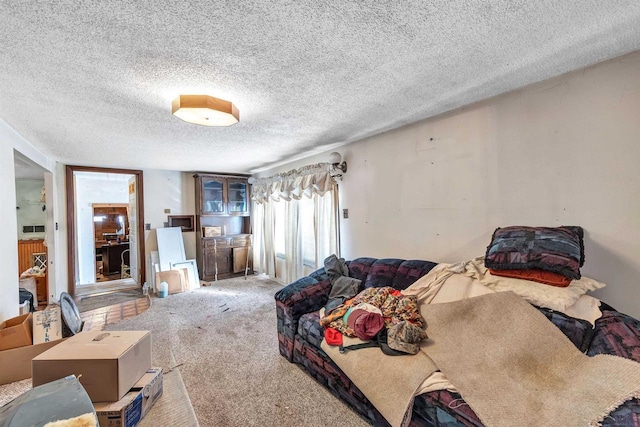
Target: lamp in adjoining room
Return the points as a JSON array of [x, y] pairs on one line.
[[205, 110], [338, 167]]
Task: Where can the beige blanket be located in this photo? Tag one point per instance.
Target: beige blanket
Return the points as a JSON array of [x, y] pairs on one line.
[[516, 369], [389, 382]]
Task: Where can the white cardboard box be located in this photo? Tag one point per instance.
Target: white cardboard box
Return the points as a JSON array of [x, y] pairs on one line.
[[108, 364], [128, 411]]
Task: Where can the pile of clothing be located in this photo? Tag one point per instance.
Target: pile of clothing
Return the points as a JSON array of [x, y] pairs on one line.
[[383, 317]]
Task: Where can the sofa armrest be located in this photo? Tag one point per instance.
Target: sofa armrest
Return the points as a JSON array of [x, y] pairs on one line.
[[618, 334], [305, 295]]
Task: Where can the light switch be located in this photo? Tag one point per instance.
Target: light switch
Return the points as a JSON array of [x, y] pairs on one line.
[[167, 211], [147, 226], [345, 213]]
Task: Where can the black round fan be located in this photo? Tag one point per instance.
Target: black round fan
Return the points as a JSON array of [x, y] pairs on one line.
[[71, 320]]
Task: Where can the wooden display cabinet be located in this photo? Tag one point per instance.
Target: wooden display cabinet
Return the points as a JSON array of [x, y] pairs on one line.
[[222, 195], [222, 201]]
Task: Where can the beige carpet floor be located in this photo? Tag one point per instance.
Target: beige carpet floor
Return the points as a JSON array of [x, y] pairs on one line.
[[218, 348], [222, 339], [173, 408]]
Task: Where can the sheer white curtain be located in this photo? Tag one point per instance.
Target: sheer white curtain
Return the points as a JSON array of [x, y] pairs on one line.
[[294, 266], [264, 260], [326, 218], [284, 195]]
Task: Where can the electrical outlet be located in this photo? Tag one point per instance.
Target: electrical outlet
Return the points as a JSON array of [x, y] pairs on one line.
[[345, 213], [165, 224]]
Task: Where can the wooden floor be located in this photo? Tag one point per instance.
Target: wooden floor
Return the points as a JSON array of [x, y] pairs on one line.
[[104, 287], [96, 320]]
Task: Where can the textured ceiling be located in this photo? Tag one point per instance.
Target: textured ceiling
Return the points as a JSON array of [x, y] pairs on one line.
[[91, 83], [26, 169]]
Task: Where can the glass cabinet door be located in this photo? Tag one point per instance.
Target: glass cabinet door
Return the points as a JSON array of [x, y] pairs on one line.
[[238, 197], [213, 196]]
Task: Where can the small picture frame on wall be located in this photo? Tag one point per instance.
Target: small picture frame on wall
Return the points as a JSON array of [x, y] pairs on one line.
[[185, 222]]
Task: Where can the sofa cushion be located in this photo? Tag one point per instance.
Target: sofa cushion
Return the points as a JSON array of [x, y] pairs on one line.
[[310, 330], [410, 271], [578, 331], [616, 333], [294, 288], [382, 273], [359, 268]]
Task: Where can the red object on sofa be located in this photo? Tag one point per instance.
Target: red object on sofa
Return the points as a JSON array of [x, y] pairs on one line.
[[333, 336], [540, 276]]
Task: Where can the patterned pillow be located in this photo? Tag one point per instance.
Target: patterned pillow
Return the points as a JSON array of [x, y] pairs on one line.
[[556, 249]]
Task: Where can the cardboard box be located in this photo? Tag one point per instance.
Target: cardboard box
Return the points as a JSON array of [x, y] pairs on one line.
[[16, 332], [176, 279], [211, 231], [16, 363], [107, 363], [47, 325], [128, 411]]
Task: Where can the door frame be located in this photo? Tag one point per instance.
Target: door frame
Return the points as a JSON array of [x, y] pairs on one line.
[[71, 219]]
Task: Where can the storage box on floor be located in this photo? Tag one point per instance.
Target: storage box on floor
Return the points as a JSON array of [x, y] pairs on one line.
[[108, 363], [16, 332], [16, 349], [128, 411]]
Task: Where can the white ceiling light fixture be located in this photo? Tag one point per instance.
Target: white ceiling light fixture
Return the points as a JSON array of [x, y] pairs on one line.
[[205, 110]]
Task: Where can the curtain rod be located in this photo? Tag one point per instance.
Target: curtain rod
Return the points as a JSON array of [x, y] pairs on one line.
[[292, 174]]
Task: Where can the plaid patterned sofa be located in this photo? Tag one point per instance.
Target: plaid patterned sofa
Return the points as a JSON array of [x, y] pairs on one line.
[[300, 335]]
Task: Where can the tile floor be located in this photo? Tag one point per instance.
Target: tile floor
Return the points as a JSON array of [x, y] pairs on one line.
[[96, 320]]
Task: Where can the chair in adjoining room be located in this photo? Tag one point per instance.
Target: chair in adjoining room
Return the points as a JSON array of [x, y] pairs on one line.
[[125, 270]]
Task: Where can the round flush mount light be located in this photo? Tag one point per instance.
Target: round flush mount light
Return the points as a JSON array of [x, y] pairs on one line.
[[205, 110]]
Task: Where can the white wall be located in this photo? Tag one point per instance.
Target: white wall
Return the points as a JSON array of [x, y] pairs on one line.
[[10, 140], [162, 189], [28, 199], [564, 151], [173, 190]]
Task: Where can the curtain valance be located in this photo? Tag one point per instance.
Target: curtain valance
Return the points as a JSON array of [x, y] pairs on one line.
[[306, 181]]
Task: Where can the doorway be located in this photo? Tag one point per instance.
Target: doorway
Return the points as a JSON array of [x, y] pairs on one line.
[[35, 225], [93, 195], [111, 227]]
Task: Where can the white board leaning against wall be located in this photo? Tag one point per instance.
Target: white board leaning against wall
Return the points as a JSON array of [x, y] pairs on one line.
[[171, 255], [170, 246]]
